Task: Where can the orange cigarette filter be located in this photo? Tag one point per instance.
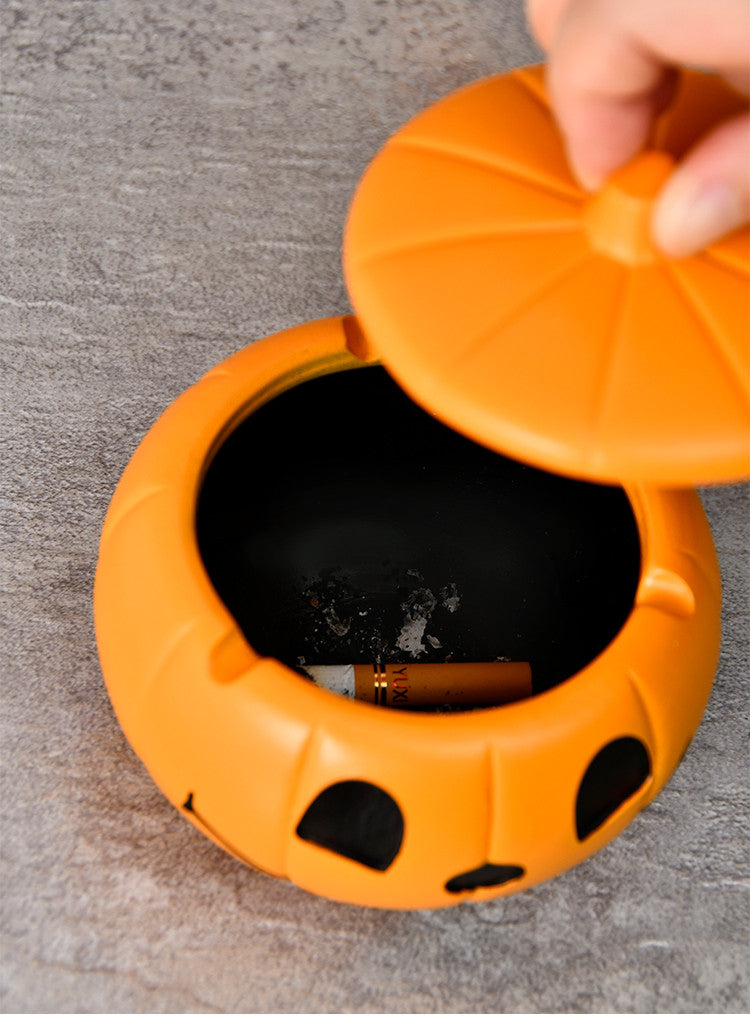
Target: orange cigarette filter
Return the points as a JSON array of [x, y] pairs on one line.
[[428, 685]]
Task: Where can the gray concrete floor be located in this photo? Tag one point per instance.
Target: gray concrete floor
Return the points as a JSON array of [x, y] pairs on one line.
[[174, 178]]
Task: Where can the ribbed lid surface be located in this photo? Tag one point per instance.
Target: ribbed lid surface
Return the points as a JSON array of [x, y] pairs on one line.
[[540, 320]]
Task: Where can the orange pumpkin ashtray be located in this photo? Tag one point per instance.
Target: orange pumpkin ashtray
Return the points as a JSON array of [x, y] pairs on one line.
[[493, 462]]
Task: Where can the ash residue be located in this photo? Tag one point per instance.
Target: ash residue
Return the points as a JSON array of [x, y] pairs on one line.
[[418, 607], [450, 598], [341, 623], [340, 627], [386, 620]]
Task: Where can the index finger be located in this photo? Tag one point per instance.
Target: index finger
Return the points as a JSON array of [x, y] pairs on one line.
[[611, 64]]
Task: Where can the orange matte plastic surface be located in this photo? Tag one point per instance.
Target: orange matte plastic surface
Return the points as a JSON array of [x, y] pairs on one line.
[[539, 320], [242, 744]]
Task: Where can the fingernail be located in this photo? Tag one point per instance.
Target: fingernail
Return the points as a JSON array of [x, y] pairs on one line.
[[691, 214]]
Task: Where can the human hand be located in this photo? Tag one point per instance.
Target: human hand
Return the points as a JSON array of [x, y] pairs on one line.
[[612, 70]]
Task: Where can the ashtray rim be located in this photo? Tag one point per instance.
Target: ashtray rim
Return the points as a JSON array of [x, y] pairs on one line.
[[169, 650]]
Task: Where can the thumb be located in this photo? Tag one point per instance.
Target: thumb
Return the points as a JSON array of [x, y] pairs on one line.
[[708, 195]]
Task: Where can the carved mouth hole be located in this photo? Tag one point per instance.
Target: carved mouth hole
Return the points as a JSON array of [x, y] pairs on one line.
[[489, 875]]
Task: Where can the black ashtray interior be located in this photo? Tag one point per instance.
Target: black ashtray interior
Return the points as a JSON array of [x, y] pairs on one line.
[[340, 523]]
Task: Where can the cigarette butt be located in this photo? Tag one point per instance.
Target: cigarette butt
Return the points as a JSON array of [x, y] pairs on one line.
[[427, 685]]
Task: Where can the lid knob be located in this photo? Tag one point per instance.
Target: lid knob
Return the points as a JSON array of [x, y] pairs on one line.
[[618, 218]]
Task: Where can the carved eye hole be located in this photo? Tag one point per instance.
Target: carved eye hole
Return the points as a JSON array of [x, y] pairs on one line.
[[489, 875], [618, 770], [357, 820]]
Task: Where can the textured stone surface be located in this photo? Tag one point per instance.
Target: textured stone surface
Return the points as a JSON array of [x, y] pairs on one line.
[[174, 178]]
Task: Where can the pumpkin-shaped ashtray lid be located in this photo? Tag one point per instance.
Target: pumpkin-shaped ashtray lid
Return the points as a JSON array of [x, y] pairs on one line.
[[540, 320]]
